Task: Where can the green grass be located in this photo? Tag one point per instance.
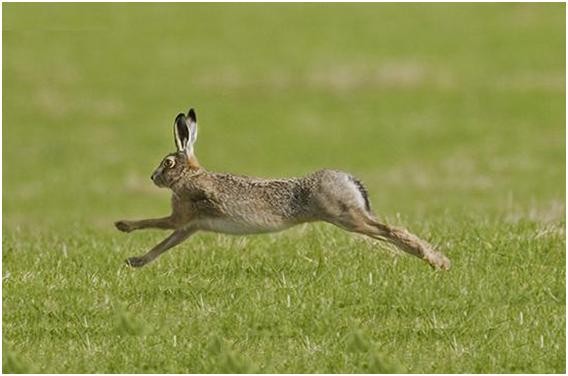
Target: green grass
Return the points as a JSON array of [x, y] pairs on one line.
[[453, 116]]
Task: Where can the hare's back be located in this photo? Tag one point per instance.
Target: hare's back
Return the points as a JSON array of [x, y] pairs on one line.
[[240, 204]]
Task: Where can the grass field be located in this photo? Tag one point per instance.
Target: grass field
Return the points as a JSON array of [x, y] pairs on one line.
[[453, 116]]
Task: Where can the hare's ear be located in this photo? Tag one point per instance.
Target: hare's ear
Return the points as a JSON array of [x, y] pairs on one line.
[[181, 132], [192, 125]]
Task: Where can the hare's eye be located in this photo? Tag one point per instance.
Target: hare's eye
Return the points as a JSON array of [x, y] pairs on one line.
[[170, 163]]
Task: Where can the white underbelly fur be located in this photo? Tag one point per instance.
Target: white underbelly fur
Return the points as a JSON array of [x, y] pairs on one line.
[[226, 226]]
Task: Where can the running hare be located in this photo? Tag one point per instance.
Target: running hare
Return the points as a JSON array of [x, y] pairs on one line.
[[232, 204]]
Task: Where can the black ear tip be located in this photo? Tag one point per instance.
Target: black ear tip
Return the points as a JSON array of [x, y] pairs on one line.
[[179, 117], [191, 114]]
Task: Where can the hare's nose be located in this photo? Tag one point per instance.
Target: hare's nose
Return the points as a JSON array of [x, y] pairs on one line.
[[153, 177]]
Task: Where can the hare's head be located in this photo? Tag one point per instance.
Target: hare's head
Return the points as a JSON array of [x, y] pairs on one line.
[[183, 162]]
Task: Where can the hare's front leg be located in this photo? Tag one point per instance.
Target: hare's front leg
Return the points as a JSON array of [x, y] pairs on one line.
[[166, 223], [174, 239]]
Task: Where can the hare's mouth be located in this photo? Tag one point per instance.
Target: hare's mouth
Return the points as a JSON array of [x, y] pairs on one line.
[[158, 181]]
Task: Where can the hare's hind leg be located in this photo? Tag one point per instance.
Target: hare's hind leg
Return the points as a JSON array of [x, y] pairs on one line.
[[360, 221], [407, 242], [174, 239], [166, 223]]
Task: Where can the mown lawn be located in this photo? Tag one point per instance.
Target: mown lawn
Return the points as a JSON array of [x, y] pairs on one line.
[[453, 116]]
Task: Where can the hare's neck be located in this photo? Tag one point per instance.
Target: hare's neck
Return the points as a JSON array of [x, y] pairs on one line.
[[193, 163], [187, 180]]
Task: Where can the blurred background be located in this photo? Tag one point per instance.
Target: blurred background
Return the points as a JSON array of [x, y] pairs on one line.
[[452, 114], [442, 109]]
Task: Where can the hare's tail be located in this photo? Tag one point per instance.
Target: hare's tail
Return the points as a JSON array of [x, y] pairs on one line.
[[363, 192]]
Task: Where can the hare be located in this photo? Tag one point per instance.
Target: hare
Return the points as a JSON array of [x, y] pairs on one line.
[[232, 204]]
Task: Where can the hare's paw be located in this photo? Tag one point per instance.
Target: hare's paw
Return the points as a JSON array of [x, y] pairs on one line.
[[124, 226], [440, 262], [135, 262], [446, 263]]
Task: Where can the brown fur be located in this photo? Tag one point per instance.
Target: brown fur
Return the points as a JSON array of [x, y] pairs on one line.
[[193, 163], [227, 203]]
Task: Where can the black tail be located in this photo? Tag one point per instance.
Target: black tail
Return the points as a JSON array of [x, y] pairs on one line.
[[363, 191]]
